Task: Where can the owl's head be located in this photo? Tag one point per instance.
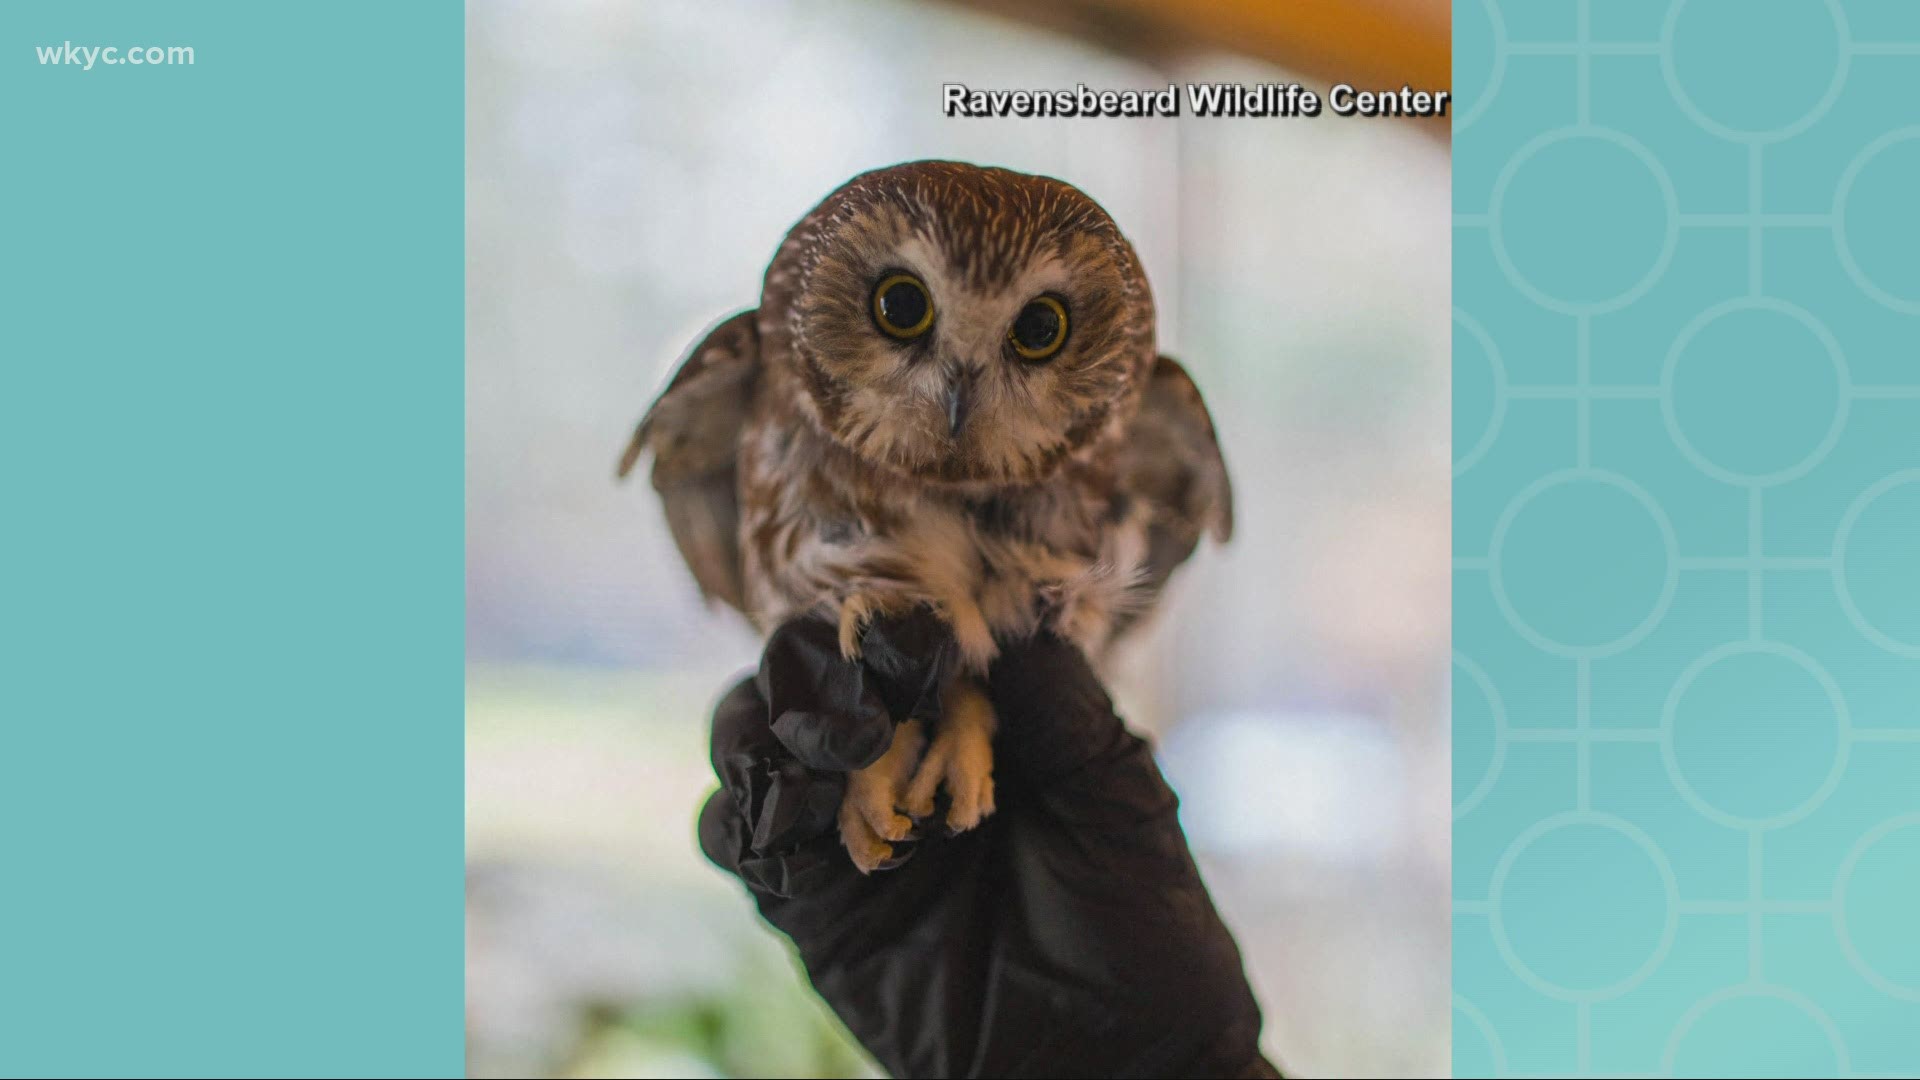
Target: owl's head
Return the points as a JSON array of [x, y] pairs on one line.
[[962, 324]]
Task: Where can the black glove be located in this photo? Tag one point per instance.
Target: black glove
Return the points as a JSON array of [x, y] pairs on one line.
[[1069, 935]]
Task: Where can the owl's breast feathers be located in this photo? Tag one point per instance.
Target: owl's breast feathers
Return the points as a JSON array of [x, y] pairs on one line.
[[776, 519]]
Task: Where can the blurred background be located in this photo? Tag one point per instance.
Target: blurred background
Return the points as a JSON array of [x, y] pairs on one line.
[[630, 170]]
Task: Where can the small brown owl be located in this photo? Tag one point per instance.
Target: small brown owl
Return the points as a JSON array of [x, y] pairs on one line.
[[949, 396]]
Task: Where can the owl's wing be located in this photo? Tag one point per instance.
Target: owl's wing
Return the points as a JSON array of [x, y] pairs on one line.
[[694, 431], [1173, 463]]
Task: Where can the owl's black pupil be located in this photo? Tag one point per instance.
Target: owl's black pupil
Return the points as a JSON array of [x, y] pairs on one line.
[[1037, 326], [903, 305]]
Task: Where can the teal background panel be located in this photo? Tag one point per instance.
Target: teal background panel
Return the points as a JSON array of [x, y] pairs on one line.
[[230, 508], [1686, 538]]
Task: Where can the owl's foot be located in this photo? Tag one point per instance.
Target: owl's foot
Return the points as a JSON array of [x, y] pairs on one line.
[[960, 758], [971, 634], [870, 817]]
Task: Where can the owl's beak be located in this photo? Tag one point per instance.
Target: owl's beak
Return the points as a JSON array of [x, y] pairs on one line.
[[959, 401]]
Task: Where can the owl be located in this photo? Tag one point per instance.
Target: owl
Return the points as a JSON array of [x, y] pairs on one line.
[[949, 396]]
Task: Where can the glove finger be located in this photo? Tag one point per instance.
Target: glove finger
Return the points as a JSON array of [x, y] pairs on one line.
[[825, 712], [907, 658], [778, 802], [788, 874], [836, 742], [794, 871], [798, 874], [719, 830], [795, 805], [740, 735]]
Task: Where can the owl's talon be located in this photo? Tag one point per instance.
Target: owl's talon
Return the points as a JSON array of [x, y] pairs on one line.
[[892, 826], [871, 800], [855, 612], [869, 847], [900, 854], [960, 760], [869, 852], [972, 799], [926, 780], [869, 820]]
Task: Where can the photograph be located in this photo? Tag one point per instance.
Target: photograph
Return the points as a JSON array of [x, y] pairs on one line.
[[898, 343]]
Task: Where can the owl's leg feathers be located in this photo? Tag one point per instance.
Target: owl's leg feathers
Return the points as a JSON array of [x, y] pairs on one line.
[[870, 818], [960, 758], [972, 634]]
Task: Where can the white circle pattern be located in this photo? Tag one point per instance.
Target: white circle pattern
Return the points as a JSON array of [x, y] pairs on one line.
[[1828, 54]]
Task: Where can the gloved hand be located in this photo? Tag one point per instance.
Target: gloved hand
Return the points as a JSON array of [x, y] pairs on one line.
[[1069, 935]]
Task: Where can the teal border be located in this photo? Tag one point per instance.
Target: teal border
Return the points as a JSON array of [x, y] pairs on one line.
[[1687, 538], [230, 503]]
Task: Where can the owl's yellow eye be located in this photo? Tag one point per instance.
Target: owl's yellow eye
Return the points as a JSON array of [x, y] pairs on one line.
[[1040, 329], [902, 307]]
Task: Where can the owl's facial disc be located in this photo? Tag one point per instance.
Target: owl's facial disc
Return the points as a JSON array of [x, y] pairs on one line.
[[972, 341], [965, 381]]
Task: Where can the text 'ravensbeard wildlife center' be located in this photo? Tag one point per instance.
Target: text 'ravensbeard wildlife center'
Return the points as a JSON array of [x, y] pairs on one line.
[[1200, 99]]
